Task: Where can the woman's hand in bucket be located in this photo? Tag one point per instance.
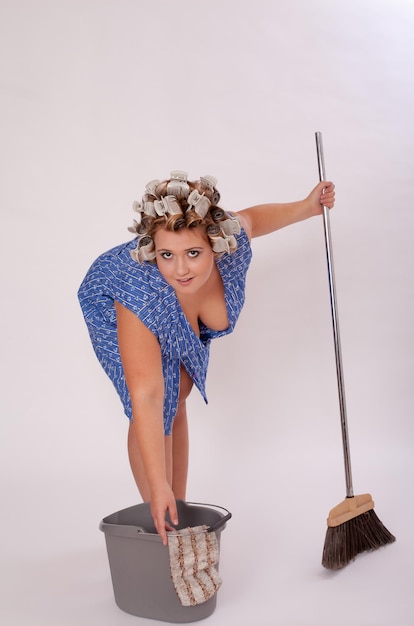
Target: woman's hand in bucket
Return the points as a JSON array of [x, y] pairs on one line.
[[163, 500]]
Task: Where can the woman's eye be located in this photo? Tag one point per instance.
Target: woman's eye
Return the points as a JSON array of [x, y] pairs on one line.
[[193, 253], [166, 255]]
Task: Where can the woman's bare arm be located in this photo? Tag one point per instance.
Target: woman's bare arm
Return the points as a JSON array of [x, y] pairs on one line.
[[141, 360], [263, 219]]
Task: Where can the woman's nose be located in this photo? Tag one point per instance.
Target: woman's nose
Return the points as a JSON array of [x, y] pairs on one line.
[[182, 267]]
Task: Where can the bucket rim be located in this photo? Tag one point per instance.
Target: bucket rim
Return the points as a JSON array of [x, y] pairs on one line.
[[134, 530]]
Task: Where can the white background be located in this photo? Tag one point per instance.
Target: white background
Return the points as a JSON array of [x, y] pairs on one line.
[[97, 98]]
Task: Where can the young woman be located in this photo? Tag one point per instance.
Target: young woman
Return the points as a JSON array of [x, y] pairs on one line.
[[153, 305]]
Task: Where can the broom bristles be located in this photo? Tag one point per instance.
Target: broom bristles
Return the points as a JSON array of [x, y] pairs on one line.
[[364, 532]]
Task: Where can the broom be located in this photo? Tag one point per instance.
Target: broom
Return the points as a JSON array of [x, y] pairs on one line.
[[353, 526]]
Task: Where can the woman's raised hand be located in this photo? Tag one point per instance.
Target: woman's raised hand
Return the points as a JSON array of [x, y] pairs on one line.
[[322, 194]]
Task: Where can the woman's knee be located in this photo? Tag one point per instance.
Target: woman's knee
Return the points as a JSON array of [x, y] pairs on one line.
[[181, 416]]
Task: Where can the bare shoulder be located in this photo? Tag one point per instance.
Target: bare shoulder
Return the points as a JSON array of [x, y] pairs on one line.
[[245, 222]]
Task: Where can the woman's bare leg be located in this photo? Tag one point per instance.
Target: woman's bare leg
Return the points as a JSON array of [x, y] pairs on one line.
[[180, 453]]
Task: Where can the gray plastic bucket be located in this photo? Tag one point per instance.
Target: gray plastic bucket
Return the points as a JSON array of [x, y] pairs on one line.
[[140, 565]]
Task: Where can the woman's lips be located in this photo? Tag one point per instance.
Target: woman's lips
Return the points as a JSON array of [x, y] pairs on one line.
[[184, 281]]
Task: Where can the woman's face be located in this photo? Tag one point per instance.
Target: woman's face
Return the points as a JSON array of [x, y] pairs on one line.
[[184, 258]]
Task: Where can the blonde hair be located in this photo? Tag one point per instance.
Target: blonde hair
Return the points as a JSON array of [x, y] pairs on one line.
[[175, 204]]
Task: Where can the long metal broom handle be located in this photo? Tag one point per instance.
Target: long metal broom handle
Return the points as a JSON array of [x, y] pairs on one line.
[[335, 325]]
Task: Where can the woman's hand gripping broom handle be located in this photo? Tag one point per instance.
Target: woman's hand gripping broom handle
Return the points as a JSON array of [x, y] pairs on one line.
[[335, 325]]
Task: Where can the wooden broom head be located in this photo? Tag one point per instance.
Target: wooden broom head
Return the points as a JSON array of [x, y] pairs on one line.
[[350, 508], [359, 531]]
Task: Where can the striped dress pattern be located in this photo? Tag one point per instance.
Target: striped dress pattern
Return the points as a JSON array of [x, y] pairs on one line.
[[141, 288]]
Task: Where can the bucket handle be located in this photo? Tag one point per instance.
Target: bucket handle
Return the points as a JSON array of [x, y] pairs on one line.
[[221, 521]]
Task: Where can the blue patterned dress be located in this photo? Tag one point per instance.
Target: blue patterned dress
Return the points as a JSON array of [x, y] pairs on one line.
[[141, 288]]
